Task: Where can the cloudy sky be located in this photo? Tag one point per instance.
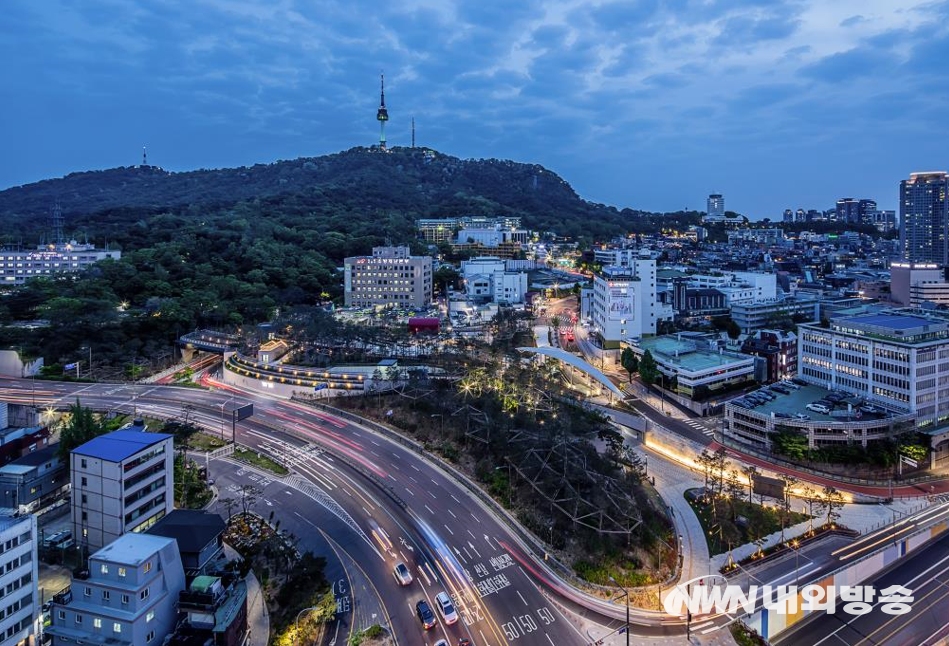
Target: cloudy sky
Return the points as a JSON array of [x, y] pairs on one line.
[[644, 103]]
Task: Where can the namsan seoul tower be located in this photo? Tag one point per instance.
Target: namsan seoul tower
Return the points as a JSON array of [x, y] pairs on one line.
[[382, 115]]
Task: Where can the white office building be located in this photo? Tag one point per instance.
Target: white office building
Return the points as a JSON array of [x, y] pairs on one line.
[[129, 595], [487, 280], [16, 267], [19, 603], [624, 302], [391, 276], [121, 482], [738, 286]]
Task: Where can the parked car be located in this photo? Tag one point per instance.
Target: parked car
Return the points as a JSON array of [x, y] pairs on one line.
[[801, 416], [780, 389], [818, 408], [783, 415], [867, 408], [798, 381]]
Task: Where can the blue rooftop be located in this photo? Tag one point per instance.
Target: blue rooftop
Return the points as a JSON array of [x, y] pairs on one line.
[[118, 445], [895, 321]]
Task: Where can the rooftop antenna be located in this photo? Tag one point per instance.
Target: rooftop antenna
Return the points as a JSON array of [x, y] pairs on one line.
[[144, 156], [413, 132], [382, 115]]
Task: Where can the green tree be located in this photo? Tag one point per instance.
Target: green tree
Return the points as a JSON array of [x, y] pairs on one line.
[[832, 501], [732, 330], [629, 362], [80, 426], [648, 370]]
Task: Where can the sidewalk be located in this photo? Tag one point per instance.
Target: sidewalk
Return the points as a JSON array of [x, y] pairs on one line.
[[258, 620]]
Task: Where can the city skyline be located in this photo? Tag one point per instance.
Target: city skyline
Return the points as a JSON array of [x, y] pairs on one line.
[[773, 105]]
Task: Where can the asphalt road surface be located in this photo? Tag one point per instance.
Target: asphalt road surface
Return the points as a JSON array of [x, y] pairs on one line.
[[397, 506]]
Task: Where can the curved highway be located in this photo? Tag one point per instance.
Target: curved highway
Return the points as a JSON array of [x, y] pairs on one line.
[[401, 508]]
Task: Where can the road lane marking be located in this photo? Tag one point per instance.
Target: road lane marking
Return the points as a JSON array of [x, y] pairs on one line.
[[453, 514], [449, 530], [522, 597], [429, 510]]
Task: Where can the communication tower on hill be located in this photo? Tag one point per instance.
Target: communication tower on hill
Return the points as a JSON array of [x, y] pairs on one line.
[[382, 115]]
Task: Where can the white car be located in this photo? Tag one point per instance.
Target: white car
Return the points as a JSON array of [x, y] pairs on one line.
[[446, 608], [818, 408], [402, 574]]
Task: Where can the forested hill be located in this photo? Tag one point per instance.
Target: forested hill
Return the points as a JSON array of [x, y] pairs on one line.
[[364, 184]]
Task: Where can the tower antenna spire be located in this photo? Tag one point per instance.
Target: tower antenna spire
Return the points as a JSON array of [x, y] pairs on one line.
[[144, 156], [413, 132], [382, 115]]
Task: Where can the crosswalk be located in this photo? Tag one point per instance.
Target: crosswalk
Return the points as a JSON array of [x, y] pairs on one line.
[[700, 427]]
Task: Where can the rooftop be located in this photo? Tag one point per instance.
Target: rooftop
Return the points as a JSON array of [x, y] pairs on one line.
[[796, 402], [119, 445], [34, 458], [192, 528], [686, 355], [132, 548]]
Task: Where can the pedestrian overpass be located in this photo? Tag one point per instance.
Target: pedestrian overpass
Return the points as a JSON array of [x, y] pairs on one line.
[[580, 364]]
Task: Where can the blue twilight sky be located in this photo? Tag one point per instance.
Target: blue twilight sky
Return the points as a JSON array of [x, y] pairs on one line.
[[644, 103]]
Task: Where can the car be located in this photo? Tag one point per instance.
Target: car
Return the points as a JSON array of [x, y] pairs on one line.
[[402, 574], [798, 381], [791, 385], [818, 408], [801, 416], [464, 641], [446, 608], [783, 415], [425, 614], [441, 642], [867, 408], [780, 389]]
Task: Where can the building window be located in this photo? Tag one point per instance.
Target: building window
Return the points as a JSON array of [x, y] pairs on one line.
[[87, 591], [116, 627], [150, 636], [104, 569], [105, 595], [62, 615], [148, 566], [121, 571], [149, 616], [84, 482], [97, 622], [143, 594], [78, 618], [125, 599], [82, 463]]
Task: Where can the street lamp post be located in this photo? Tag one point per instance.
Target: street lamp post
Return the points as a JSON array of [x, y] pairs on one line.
[[223, 404], [625, 594]]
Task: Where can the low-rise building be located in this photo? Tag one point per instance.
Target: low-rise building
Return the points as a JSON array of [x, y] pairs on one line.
[[486, 279], [198, 534], [121, 482], [216, 610], [700, 370], [20, 604], [128, 595], [391, 276], [761, 315], [778, 349], [34, 480]]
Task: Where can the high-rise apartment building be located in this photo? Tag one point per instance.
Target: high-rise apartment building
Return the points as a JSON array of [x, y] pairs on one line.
[[924, 218], [390, 276], [121, 482], [715, 205], [19, 603], [853, 211]]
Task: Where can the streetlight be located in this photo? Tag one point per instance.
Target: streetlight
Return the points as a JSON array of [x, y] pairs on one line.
[[625, 594], [223, 404]]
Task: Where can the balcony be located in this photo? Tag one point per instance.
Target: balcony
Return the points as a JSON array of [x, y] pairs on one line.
[[63, 597]]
